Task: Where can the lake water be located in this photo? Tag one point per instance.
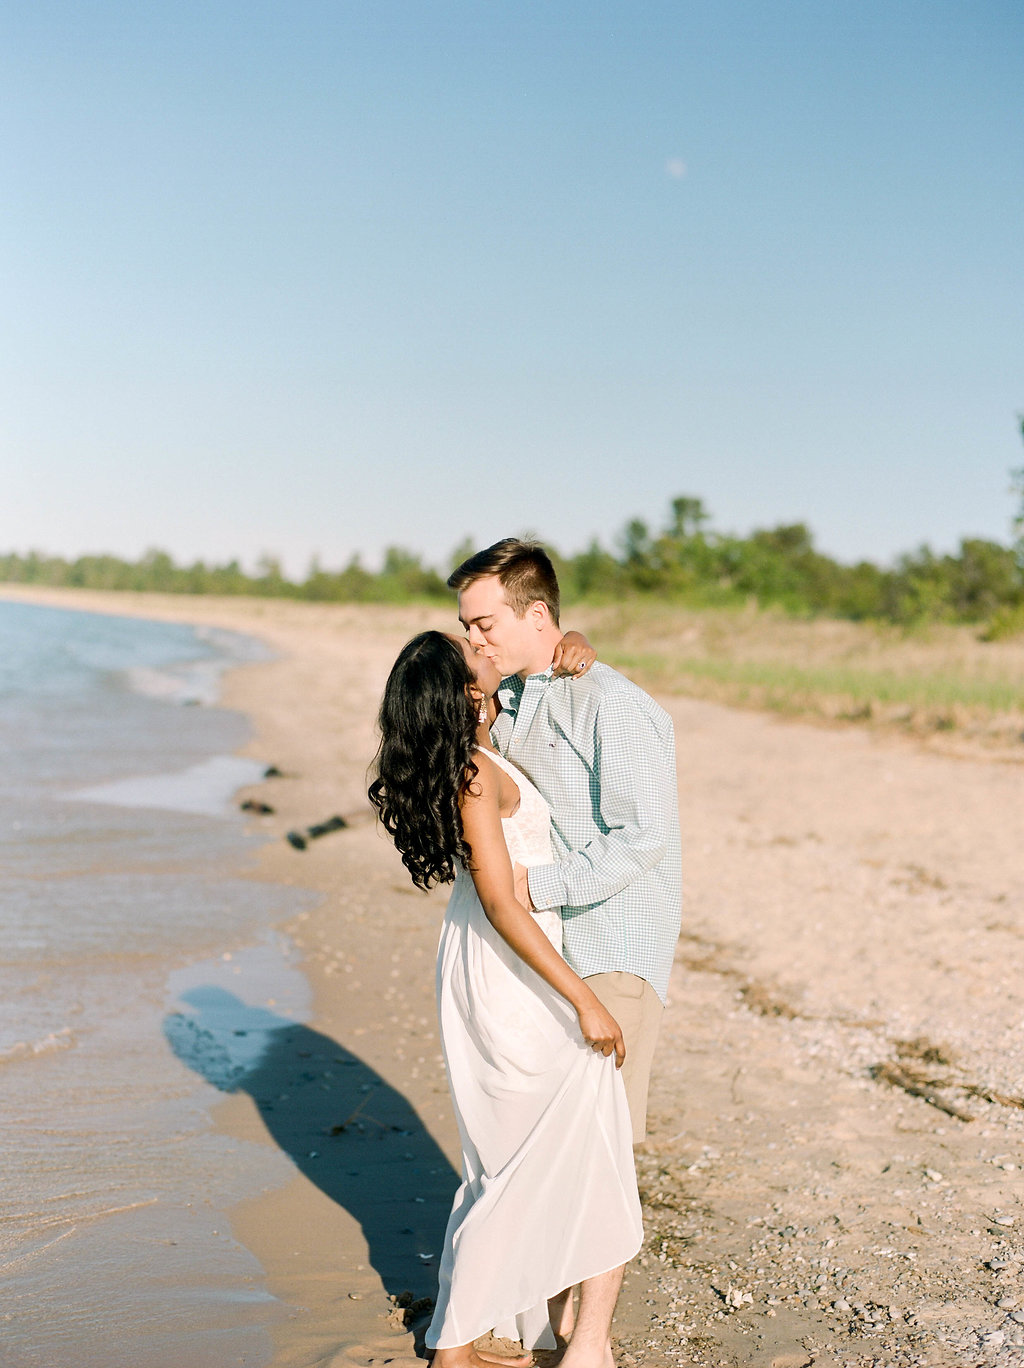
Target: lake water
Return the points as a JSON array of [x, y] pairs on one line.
[[124, 888]]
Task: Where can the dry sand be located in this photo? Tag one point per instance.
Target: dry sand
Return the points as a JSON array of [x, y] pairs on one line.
[[852, 927]]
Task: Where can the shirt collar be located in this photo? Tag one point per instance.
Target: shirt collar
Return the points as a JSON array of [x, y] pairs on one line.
[[510, 691], [511, 688]]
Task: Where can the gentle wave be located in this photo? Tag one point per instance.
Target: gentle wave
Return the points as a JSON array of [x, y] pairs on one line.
[[63, 1039], [194, 682], [205, 789], [197, 682]]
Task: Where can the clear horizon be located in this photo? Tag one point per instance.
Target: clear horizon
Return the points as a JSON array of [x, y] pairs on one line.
[[317, 281]]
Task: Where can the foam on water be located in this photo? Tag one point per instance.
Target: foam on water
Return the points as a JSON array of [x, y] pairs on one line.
[[189, 686], [206, 788], [193, 683], [61, 1039]]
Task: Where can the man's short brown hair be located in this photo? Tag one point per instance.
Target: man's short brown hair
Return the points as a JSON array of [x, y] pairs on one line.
[[523, 570]]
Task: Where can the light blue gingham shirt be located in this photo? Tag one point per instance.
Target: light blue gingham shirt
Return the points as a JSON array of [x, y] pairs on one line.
[[602, 753]]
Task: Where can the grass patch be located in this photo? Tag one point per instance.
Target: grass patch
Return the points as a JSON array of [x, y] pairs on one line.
[[775, 682], [929, 680]]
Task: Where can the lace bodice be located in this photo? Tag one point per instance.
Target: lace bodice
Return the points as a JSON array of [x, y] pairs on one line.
[[528, 830], [528, 837]]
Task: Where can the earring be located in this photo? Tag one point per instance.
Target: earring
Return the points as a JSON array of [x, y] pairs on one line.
[[482, 711]]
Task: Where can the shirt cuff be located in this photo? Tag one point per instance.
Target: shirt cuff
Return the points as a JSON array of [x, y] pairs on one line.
[[547, 888]]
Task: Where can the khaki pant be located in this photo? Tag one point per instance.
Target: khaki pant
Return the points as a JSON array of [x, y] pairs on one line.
[[637, 1008]]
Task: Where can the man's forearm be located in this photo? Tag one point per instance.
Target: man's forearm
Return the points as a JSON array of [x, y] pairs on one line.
[[606, 866]]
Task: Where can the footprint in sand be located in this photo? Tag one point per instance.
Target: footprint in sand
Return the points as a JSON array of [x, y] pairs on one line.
[[378, 1352]]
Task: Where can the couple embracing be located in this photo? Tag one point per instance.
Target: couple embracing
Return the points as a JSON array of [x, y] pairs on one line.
[[543, 786]]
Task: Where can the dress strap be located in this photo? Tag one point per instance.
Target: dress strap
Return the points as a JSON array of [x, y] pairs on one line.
[[510, 772], [494, 755]]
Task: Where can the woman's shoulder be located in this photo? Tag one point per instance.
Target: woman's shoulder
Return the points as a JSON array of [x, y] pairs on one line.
[[503, 771], [498, 760], [493, 774], [516, 782]]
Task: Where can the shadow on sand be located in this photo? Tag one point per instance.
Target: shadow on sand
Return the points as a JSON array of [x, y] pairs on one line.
[[347, 1129]]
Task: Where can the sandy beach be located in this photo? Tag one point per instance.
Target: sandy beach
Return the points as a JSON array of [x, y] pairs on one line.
[[834, 1168]]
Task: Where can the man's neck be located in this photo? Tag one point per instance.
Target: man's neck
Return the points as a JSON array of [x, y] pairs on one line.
[[541, 659]]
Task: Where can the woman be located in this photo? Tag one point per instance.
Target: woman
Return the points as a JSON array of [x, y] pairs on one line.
[[548, 1197]]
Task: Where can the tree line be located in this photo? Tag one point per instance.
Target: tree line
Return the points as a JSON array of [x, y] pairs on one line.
[[685, 561]]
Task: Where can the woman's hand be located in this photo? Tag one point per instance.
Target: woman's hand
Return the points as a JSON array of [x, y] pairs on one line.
[[574, 656], [493, 879], [601, 1030]]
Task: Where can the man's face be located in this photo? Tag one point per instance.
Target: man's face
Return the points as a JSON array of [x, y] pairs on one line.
[[485, 672], [492, 628]]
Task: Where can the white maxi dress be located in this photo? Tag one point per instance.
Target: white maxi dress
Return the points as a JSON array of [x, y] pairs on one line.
[[548, 1194]]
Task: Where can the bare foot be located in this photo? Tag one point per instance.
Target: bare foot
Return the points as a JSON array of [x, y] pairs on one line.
[[465, 1356], [494, 1348], [589, 1358], [591, 1343], [562, 1315]]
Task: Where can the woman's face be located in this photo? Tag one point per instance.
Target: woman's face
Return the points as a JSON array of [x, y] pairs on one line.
[[485, 672]]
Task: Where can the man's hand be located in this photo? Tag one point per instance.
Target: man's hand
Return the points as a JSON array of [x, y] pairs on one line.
[[522, 879]]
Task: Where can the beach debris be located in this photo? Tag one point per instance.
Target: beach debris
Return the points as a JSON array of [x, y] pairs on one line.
[[1001, 1099], [736, 1298], [900, 1078], [405, 1308], [272, 772], [761, 1000], [358, 1117], [255, 805], [925, 1050], [300, 839], [912, 1054]]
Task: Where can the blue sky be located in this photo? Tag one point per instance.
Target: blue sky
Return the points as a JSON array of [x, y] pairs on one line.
[[317, 278]]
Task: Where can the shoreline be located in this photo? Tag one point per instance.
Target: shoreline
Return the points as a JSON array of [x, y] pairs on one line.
[[852, 923], [293, 703]]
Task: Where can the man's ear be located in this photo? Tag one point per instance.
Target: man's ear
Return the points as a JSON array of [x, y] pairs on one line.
[[539, 614]]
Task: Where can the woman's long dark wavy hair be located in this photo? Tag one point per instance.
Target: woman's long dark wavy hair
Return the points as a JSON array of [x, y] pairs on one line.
[[425, 761]]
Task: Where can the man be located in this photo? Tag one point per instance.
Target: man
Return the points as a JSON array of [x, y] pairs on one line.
[[602, 753]]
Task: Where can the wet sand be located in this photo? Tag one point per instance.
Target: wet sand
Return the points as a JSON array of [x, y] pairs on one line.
[[834, 1168]]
